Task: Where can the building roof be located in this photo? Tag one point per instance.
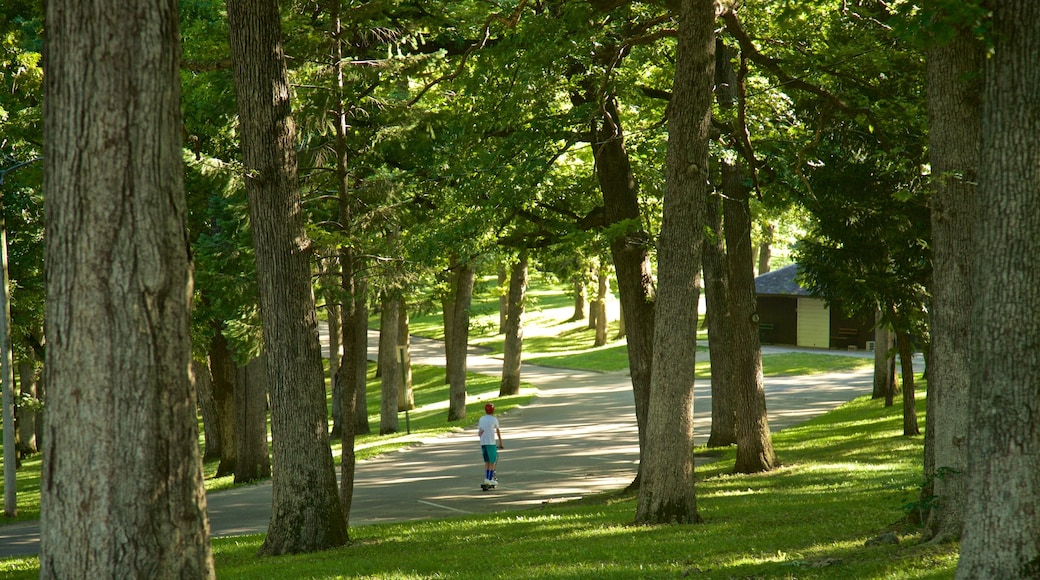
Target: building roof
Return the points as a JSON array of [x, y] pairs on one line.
[[782, 282]]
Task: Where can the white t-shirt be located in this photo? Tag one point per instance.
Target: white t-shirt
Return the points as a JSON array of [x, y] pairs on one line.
[[487, 426]]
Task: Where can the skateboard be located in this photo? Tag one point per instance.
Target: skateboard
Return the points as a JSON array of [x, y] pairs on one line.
[[488, 486]]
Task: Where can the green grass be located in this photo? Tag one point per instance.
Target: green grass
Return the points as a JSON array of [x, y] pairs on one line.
[[845, 478]]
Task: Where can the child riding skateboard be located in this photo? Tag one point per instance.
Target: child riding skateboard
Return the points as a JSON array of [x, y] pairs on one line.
[[490, 443]]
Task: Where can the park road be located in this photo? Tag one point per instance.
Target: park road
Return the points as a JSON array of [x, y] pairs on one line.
[[577, 437]]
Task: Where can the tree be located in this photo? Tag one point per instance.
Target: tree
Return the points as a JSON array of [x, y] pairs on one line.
[[306, 515], [1001, 537], [954, 59], [514, 327], [122, 492], [666, 493]]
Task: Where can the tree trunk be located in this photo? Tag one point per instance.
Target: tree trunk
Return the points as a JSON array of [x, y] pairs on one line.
[[954, 75], [390, 370], [884, 358], [222, 373], [514, 329], [121, 489], [335, 313], [207, 408], [579, 298], [26, 414], [462, 286], [252, 461], [1001, 536], [906, 370], [630, 251], [405, 395], [666, 493], [503, 297], [358, 354], [754, 441], [765, 251], [600, 306], [306, 515], [716, 282]]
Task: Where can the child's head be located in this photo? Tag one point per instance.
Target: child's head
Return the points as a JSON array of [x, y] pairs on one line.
[[489, 408]]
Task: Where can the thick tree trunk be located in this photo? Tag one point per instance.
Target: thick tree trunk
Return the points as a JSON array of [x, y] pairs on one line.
[[405, 395], [222, 375], [1001, 536], [207, 408], [754, 441], [121, 490], [390, 370], [631, 253], [666, 493], [579, 298], [954, 108], [514, 328], [716, 287], [306, 515], [884, 357], [464, 278], [252, 461]]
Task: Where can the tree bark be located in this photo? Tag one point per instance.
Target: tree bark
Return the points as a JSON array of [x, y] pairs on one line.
[[884, 357], [754, 441], [600, 306], [1001, 535], [405, 395], [390, 370], [514, 328], [716, 282], [306, 515], [222, 373], [906, 370], [666, 493], [121, 489], [578, 284], [26, 416], [954, 73], [335, 313], [207, 408], [252, 461], [463, 278], [630, 250]]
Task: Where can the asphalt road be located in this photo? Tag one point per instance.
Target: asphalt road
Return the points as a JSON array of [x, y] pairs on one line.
[[577, 437]]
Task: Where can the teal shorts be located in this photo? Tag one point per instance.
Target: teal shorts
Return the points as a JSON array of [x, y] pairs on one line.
[[490, 453]]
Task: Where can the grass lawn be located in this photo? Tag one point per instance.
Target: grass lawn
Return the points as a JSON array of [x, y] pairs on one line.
[[845, 479]]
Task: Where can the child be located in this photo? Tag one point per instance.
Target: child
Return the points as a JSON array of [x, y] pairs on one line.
[[488, 430]]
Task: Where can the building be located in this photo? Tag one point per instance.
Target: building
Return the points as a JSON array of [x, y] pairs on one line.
[[789, 314]]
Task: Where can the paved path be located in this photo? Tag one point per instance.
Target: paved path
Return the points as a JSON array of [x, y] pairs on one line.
[[577, 437]]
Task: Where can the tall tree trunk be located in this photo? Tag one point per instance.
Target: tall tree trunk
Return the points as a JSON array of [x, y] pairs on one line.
[[390, 370], [884, 358], [765, 250], [252, 461], [1001, 536], [514, 329], [666, 493], [121, 489], [405, 396], [578, 285], [600, 306], [26, 414], [954, 75], [357, 353], [716, 287], [906, 370], [631, 253], [335, 312], [464, 277], [306, 515], [222, 374], [207, 408], [754, 441]]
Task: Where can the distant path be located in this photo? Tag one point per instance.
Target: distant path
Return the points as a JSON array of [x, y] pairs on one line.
[[577, 437]]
